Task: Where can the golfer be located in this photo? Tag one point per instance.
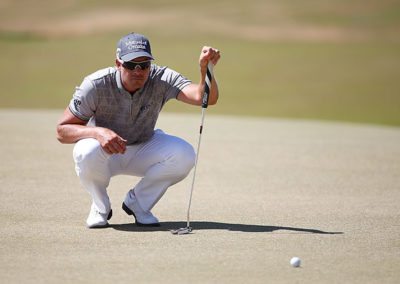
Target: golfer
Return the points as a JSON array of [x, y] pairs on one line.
[[111, 118]]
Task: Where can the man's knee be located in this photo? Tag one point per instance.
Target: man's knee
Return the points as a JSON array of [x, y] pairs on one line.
[[88, 153], [185, 158]]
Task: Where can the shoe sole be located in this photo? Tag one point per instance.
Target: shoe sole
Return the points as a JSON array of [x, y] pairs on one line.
[[99, 226], [130, 212]]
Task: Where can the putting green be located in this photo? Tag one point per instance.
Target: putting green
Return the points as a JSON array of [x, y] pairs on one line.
[[266, 190]]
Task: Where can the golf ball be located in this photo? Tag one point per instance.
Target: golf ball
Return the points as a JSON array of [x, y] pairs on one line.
[[295, 261]]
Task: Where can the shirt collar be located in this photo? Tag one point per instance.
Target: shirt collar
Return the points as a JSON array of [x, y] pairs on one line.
[[119, 82]]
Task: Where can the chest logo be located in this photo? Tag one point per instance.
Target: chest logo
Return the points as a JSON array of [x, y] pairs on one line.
[[145, 108]]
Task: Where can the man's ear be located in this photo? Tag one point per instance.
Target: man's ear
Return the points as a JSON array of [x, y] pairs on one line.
[[117, 63]]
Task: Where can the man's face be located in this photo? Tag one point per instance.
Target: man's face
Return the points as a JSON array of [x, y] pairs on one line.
[[134, 76]]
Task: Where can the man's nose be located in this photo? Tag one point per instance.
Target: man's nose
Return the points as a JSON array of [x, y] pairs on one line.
[[138, 70]]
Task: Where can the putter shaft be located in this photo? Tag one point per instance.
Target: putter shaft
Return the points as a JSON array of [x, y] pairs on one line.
[[204, 105]]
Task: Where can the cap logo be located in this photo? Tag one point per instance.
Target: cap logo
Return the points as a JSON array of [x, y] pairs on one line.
[[136, 44]]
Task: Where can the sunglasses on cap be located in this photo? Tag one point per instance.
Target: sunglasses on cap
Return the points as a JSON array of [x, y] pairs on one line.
[[136, 65]]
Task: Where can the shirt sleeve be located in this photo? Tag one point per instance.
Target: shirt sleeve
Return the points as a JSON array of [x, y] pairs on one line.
[[83, 102], [176, 82]]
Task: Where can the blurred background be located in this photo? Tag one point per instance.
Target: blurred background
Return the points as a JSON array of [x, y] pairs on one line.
[[313, 59]]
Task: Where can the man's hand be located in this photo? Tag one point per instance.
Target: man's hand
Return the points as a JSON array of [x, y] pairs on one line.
[[193, 93], [110, 141], [208, 54]]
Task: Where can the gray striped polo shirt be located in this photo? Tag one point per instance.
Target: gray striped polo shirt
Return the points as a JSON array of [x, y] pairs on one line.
[[102, 101]]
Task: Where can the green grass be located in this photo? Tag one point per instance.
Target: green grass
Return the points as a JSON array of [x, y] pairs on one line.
[[344, 79], [348, 82]]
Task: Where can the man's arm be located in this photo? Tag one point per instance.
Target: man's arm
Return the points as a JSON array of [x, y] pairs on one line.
[[71, 129], [193, 93]]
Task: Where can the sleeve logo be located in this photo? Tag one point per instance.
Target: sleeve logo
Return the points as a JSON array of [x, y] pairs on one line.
[[77, 103]]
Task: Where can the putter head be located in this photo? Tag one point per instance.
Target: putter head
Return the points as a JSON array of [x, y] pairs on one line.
[[182, 231]]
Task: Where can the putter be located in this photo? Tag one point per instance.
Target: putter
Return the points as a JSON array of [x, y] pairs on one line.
[[204, 105]]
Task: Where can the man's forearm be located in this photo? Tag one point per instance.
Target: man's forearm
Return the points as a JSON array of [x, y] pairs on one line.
[[214, 93], [71, 133]]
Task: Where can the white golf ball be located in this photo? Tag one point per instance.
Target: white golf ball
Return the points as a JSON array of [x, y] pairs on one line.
[[295, 261]]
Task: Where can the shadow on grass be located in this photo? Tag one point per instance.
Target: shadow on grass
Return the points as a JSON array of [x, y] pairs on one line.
[[203, 225]]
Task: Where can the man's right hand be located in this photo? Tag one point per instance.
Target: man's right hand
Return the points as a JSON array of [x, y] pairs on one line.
[[111, 142]]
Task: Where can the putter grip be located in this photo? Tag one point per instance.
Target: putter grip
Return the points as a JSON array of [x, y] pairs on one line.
[[207, 87]]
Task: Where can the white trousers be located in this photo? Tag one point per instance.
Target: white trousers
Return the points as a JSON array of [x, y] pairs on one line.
[[161, 162]]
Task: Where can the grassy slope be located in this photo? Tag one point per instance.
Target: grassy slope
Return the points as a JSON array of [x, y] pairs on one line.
[[301, 77]]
